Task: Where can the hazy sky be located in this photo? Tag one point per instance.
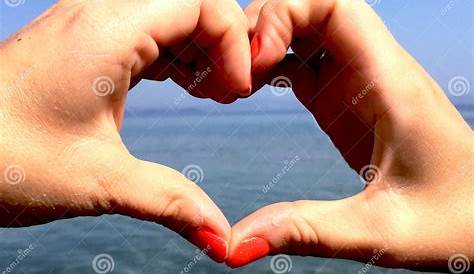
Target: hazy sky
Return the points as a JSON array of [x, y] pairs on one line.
[[438, 33]]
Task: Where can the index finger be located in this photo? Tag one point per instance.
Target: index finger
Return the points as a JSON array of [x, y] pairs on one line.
[[218, 28], [350, 30]]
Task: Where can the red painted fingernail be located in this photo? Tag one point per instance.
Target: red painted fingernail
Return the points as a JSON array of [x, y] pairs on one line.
[[210, 244], [248, 251], [255, 46]]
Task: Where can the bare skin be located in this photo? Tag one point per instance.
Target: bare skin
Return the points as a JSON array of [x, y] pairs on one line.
[[60, 122], [379, 107], [65, 79]]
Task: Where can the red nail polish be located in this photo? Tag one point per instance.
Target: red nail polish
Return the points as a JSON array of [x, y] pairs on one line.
[[255, 46], [249, 251], [212, 245]]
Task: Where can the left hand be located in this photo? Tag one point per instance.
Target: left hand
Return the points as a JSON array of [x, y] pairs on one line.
[[65, 79]]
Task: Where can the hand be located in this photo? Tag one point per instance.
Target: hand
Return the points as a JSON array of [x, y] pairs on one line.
[[64, 82], [390, 121]]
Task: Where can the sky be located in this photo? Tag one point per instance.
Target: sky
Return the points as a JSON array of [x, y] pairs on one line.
[[438, 33]]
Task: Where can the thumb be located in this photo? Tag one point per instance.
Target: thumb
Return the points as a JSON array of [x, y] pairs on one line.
[[307, 228], [156, 193]]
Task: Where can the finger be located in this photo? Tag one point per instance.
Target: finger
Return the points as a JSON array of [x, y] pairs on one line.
[[185, 51], [304, 48], [296, 75], [252, 11], [350, 30], [308, 87], [307, 228], [194, 82], [159, 194], [181, 73], [232, 53], [223, 47], [189, 79]]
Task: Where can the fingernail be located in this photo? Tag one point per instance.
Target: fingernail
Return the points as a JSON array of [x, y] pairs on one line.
[[212, 245], [255, 46], [248, 251]]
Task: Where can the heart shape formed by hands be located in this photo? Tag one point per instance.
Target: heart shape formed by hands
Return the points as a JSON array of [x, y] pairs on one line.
[[364, 94]]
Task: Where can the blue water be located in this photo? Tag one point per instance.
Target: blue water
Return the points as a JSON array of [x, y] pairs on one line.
[[239, 154]]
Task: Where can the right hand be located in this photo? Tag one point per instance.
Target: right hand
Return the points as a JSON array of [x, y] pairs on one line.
[[379, 107]]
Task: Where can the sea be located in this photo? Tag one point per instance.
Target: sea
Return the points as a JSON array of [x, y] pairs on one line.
[[238, 155]]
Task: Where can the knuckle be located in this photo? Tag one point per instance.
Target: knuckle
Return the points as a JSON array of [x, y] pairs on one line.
[[301, 236], [173, 208], [305, 231], [284, 5], [180, 211], [177, 207], [294, 5], [279, 16]]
